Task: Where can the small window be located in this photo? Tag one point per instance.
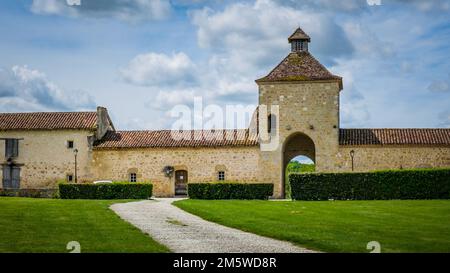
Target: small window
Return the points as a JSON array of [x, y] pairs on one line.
[[11, 148], [133, 177], [271, 123], [221, 175], [70, 144], [69, 178]]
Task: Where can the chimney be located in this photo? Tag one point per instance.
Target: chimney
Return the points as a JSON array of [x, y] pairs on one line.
[[104, 123]]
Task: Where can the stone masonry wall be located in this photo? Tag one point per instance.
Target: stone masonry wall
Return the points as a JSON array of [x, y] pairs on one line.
[[371, 158], [202, 164], [46, 158]]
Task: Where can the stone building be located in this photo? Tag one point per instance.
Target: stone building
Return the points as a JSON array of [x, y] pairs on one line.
[[298, 114]]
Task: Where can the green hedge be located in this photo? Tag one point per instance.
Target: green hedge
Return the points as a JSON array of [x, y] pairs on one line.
[[33, 193], [116, 190], [229, 190], [380, 185]]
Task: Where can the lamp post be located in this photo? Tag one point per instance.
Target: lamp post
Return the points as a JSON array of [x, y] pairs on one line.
[[352, 155], [75, 152]]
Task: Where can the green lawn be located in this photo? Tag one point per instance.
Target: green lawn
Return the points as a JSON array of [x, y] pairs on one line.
[[47, 225], [337, 226]]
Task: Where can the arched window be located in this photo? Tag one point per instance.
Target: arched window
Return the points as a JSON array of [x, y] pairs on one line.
[[271, 123]]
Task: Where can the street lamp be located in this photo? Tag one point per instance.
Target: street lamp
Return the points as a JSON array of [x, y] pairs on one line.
[[352, 154], [75, 152]]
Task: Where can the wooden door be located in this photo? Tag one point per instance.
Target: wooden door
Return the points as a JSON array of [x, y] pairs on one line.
[[15, 177], [11, 177], [181, 180]]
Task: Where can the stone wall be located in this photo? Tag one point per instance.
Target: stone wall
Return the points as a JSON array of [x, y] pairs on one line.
[[202, 164], [368, 158], [46, 158]]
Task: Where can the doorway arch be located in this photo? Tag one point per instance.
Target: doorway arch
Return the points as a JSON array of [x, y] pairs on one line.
[[297, 144]]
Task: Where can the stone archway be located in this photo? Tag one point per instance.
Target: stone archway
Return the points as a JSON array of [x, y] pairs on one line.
[[297, 144]]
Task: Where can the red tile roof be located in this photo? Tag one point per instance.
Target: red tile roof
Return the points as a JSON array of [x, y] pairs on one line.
[[167, 138], [299, 66], [394, 137], [48, 120], [206, 138]]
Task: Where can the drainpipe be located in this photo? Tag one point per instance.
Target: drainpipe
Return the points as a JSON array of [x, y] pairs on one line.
[[75, 152]]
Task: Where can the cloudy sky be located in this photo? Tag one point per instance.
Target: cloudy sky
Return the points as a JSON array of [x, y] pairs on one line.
[[139, 58]]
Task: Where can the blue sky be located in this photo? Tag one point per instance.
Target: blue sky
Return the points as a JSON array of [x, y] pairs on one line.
[[140, 58]]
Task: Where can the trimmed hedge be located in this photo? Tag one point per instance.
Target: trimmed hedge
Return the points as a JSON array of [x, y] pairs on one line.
[[32, 193], [380, 185], [117, 190], [229, 190]]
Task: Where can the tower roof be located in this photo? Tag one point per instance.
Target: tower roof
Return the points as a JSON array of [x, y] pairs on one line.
[[300, 66], [299, 34]]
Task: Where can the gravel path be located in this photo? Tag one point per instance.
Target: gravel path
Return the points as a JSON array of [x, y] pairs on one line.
[[183, 232]]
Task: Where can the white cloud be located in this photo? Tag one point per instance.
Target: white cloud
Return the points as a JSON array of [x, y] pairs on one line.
[[255, 35], [366, 41], [128, 10], [25, 89], [353, 109], [153, 69], [244, 41], [354, 114], [424, 6], [439, 86], [166, 99], [445, 119], [358, 6]]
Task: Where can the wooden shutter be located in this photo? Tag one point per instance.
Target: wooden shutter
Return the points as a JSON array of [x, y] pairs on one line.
[[8, 148], [15, 177], [15, 148], [11, 147], [7, 177]]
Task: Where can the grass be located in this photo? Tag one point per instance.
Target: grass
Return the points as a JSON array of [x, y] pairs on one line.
[[337, 226], [47, 225]]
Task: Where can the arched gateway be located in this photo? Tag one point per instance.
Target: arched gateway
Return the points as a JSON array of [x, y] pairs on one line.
[[297, 144], [305, 96]]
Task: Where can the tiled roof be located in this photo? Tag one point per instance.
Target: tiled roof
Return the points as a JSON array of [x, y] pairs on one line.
[[48, 120], [167, 138], [394, 136], [299, 34], [299, 66]]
